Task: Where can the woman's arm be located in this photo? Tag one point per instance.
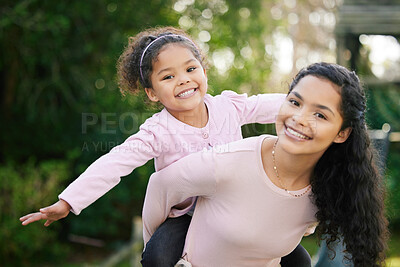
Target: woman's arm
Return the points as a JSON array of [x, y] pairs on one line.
[[191, 176]]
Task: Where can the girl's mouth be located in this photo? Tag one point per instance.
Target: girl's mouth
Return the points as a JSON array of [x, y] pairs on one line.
[[186, 93], [297, 134]]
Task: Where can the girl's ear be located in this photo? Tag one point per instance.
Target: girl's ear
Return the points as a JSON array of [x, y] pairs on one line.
[[342, 135], [151, 94]]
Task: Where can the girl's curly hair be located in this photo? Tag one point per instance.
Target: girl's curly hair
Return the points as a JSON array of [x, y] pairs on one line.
[[128, 64], [347, 186]]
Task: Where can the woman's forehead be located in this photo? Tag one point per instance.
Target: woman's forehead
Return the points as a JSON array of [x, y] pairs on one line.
[[319, 91]]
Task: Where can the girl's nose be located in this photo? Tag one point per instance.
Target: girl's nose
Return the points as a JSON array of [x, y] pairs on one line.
[[184, 81]]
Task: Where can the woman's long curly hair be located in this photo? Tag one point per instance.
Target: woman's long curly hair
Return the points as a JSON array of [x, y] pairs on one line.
[[347, 186], [129, 70]]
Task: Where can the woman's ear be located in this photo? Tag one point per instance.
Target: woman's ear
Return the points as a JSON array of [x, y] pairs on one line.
[[342, 135], [151, 94]]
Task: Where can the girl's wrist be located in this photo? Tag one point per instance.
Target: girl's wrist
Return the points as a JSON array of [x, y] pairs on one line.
[[65, 204]]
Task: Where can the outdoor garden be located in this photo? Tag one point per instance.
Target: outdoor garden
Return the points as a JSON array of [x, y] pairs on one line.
[[61, 107]]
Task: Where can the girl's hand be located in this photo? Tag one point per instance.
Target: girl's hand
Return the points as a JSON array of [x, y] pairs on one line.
[[53, 213]]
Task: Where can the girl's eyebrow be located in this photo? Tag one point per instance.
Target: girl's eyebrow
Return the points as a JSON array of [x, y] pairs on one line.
[[316, 105], [169, 68]]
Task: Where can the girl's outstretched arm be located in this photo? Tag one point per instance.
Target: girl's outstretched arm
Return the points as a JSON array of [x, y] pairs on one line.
[[52, 213]]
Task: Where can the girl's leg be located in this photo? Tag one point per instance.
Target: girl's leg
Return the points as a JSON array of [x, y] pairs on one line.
[[299, 257], [165, 247]]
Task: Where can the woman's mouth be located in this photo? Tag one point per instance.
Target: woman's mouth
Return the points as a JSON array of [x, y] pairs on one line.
[[297, 134], [186, 93]]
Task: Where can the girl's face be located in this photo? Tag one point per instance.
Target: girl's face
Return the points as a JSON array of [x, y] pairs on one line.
[[179, 80], [309, 120]]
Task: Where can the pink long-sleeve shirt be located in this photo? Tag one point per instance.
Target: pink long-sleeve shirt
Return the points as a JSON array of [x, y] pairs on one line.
[[167, 140], [241, 217]]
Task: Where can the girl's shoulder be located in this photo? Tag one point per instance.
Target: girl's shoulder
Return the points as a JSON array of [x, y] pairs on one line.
[[157, 121], [227, 99], [227, 95]]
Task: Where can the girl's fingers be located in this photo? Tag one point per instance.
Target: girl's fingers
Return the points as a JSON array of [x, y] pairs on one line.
[[30, 218], [46, 210], [51, 214], [23, 218], [27, 217], [48, 222]]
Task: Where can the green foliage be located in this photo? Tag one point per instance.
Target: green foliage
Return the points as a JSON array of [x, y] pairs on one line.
[[383, 106], [393, 185], [57, 65], [241, 28], [58, 61], [25, 187], [383, 103]]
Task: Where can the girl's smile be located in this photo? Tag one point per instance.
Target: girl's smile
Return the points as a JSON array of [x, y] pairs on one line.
[[187, 93]]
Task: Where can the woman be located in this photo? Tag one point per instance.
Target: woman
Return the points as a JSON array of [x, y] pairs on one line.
[[259, 196]]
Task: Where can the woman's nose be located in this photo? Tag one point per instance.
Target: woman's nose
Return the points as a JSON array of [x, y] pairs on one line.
[[304, 119]]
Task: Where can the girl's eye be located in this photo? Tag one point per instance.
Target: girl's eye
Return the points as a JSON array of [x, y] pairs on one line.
[[319, 115], [168, 77], [294, 102], [191, 69]]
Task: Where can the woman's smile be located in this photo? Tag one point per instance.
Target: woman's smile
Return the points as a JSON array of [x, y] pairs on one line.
[[296, 134]]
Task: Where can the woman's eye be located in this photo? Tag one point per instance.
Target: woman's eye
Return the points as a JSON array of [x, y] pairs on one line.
[[191, 69], [319, 115], [168, 77], [294, 102]]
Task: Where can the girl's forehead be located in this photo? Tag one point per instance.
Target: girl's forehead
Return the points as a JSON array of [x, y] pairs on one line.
[[173, 50], [178, 47]]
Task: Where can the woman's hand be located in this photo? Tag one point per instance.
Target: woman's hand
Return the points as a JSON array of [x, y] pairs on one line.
[[52, 213]]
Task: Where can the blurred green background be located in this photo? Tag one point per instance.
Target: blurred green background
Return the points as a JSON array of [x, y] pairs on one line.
[[61, 107]]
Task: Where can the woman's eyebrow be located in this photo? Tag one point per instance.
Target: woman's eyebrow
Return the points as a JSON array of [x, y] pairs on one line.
[[297, 95], [324, 108], [316, 105]]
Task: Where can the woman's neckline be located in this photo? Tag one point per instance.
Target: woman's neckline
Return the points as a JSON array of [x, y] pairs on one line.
[[302, 191]]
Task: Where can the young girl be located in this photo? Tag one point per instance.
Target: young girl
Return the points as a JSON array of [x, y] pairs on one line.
[[257, 197], [170, 68]]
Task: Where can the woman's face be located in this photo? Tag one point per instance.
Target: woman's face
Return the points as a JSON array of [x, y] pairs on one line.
[[309, 120]]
